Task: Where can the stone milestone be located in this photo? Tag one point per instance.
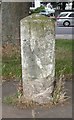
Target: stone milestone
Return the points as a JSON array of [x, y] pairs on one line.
[[38, 57]]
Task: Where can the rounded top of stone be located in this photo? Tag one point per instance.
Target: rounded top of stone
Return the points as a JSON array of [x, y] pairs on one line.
[[35, 18]]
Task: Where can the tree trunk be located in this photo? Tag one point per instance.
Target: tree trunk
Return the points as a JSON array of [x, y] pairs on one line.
[[12, 12]]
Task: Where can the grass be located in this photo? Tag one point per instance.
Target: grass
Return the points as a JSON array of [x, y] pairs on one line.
[[11, 60], [63, 56], [11, 99], [0, 68], [11, 67]]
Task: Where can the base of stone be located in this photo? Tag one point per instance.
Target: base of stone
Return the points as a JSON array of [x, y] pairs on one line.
[[26, 103]]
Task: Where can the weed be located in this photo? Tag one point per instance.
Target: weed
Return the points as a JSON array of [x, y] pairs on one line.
[[12, 99], [59, 93]]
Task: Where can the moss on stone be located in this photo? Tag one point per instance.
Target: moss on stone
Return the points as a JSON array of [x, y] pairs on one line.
[[39, 22], [38, 18]]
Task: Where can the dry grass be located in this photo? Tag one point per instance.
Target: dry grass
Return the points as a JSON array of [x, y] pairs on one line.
[[11, 62], [9, 50], [58, 96]]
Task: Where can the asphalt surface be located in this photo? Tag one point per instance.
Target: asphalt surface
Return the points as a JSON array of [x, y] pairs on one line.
[[64, 32], [59, 111]]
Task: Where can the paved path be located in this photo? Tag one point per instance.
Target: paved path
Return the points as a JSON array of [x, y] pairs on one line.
[[58, 111]]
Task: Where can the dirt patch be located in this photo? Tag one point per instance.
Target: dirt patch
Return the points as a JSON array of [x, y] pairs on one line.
[[10, 49]]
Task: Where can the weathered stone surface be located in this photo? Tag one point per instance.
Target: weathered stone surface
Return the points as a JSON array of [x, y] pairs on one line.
[[38, 57]]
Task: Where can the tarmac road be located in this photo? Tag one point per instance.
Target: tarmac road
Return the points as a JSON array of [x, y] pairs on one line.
[[64, 32]]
